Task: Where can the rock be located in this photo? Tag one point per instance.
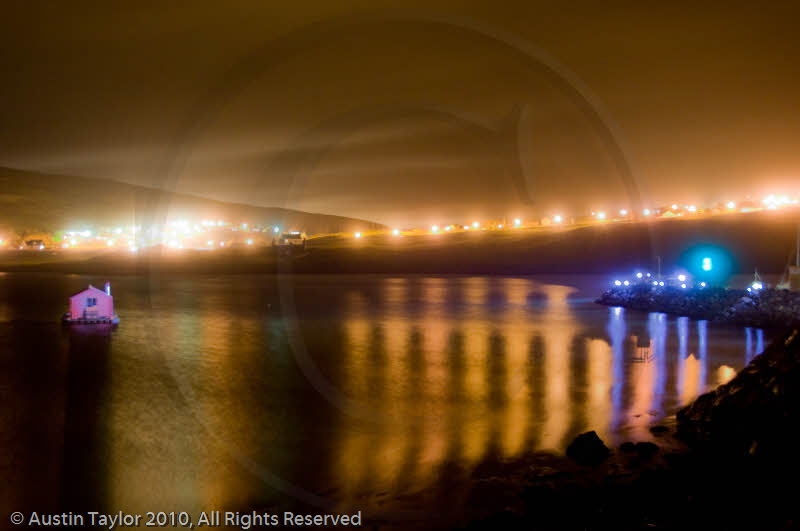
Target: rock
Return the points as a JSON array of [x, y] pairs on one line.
[[646, 450], [627, 447], [588, 449], [658, 430]]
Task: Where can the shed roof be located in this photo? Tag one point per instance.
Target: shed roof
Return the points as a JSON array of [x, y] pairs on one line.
[[93, 290]]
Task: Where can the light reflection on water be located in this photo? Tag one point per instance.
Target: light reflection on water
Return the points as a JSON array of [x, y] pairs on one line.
[[199, 383]]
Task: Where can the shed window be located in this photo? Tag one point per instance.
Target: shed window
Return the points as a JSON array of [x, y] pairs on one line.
[[91, 301]]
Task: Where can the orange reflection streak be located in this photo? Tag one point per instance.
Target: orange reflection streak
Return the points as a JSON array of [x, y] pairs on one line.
[[641, 385], [476, 428], [557, 337], [435, 331], [516, 333], [691, 382], [599, 378], [357, 334]]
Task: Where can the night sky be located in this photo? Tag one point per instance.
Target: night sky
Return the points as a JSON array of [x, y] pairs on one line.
[[432, 112]]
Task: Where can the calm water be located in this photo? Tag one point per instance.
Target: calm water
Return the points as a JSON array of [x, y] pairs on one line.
[[242, 392]]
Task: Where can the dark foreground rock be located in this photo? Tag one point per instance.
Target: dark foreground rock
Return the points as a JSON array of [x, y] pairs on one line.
[[757, 414], [731, 462], [767, 308], [588, 449]]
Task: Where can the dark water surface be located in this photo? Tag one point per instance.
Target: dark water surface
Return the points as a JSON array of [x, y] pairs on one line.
[[242, 392]]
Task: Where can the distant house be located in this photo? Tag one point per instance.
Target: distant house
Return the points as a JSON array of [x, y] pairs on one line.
[[92, 305], [290, 239]]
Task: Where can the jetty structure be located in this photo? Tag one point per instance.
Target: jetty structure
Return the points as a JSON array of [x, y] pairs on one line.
[[91, 306]]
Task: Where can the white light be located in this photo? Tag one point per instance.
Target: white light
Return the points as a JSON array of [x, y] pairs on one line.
[[134, 248], [646, 211], [749, 290], [757, 285], [65, 245], [683, 286], [702, 284], [73, 242], [1, 242], [692, 208], [627, 283], [623, 212], [110, 243], [638, 275], [466, 227], [661, 283], [357, 234], [681, 277], [655, 282], [210, 243], [517, 222], [706, 264], [617, 283], [222, 244], [648, 275], [556, 219], [276, 230], [41, 247], [249, 241], [396, 232], [475, 224], [435, 228], [118, 230], [674, 207], [731, 205], [501, 226], [244, 225], [601, 215]]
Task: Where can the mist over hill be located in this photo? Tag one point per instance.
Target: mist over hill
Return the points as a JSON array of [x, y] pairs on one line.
[[33, 202]]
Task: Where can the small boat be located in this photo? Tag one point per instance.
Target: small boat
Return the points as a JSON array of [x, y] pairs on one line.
[[91, 306]]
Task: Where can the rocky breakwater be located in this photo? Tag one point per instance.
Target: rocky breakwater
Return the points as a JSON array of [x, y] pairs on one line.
[[766, 308]]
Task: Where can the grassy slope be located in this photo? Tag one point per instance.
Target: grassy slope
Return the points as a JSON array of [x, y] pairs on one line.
[[34, 202]]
